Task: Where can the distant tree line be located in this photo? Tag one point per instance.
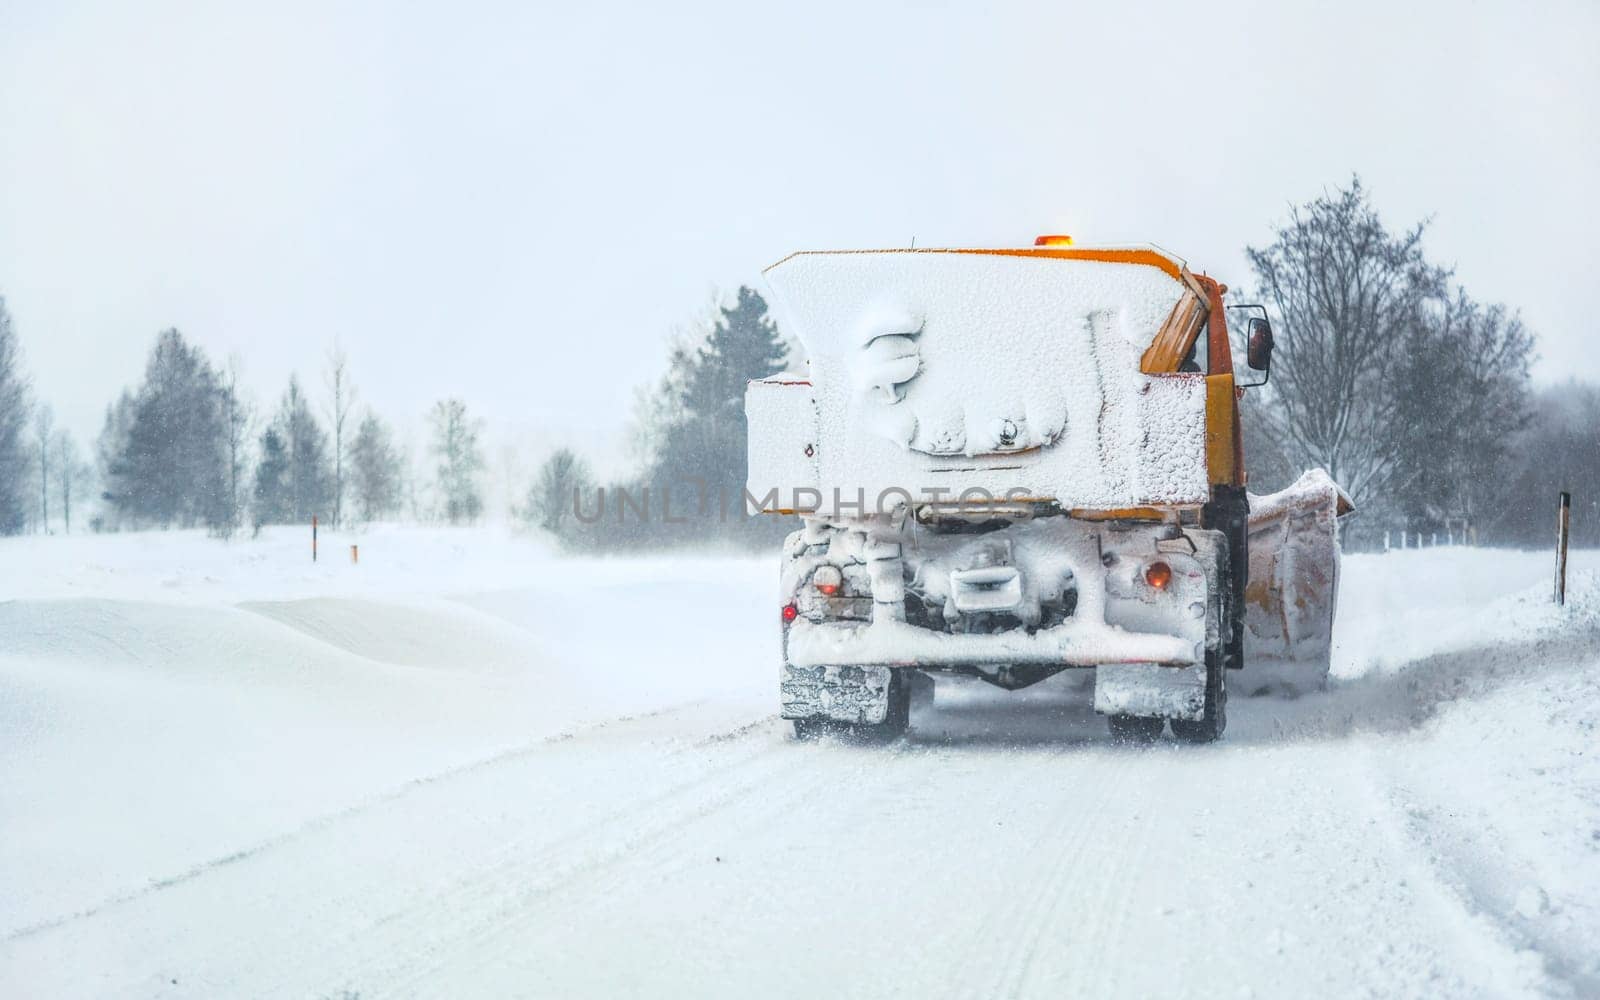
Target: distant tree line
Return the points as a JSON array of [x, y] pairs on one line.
[[184, 449], [1415, 397], [690, 436]]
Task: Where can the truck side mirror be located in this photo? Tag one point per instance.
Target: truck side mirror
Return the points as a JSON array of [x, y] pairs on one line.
[[1258, 349]]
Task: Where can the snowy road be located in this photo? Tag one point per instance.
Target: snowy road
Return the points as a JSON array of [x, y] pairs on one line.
[[337, 807]]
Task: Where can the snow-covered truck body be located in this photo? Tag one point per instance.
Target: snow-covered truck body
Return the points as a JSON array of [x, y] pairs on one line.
[[1009, 463]]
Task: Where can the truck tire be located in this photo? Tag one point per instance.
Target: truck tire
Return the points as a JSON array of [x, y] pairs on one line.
[[892, 727], [1230, 652], [1209, 727], [808, 730], [1135, 728]]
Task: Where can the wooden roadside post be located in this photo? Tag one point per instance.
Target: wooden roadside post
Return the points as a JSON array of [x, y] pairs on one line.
[[355, 555], [313, 538], [1563, 527]]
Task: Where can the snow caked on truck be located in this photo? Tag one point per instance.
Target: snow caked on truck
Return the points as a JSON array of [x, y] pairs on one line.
[[1013, 462]]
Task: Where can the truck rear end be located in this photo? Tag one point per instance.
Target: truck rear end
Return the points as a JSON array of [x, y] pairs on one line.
[[1008, 463]]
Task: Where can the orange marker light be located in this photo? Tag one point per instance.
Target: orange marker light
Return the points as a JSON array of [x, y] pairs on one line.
[[1158, 575], [1061, 240]]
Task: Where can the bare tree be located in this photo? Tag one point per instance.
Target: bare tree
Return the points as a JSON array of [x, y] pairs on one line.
[[293, 482], [413, 485], [237, 415], [562, 479], [455, 445], [14, 412], [1349, 297], [44, 422], [71, 473], [110, 455], [375, 469], [343, 397]]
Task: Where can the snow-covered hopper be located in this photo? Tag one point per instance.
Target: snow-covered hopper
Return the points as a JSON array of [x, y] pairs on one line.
[[1008, 463]]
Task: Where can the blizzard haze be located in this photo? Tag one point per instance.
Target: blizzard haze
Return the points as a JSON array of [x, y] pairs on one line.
[[517, 203]]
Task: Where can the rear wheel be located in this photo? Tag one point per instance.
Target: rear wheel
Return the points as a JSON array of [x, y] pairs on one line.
[[1230, 653], [1135, 728], [1209, 726], [814, 729]]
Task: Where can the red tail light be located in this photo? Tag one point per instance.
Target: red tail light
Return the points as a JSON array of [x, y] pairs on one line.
[[827, 580], [1158, 575], [790, 613]]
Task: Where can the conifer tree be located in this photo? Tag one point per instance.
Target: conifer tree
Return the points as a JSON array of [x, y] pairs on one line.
[[167, 447]]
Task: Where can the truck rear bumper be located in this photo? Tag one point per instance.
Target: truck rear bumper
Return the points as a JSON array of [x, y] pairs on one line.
[[842, 671], [897, 644]]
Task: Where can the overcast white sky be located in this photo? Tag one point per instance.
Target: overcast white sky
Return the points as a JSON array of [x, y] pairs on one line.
[[517, 202]]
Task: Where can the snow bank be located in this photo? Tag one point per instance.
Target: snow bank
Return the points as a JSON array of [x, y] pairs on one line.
[[168, 698]]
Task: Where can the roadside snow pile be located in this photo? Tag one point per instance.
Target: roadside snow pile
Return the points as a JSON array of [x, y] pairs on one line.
[[1494, 764], [1510, 812], [1400, 607], [198, 696]]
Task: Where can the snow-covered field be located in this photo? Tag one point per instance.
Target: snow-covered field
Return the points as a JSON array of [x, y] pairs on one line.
[[466, 766]]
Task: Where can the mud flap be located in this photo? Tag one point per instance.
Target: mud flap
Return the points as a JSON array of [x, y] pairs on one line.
[[1150, 690], [858, 695], [1294, 583], [1167, 692]]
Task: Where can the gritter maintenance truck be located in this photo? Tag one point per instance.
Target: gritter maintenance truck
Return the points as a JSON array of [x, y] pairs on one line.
[[1014, 462]]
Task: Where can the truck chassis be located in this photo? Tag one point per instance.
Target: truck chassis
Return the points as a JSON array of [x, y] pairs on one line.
[[1013, 598]]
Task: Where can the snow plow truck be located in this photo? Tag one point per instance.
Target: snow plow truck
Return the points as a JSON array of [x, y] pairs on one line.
[[1014, 462]]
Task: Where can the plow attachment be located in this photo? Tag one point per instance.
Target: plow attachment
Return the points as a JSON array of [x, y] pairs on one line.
[[1294, 583]]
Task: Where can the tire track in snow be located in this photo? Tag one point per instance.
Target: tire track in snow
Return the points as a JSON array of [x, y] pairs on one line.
[[794, 777], [999, 958], [1459, 913], [1459, 884], [1079, 891], [522, 887], [328, 821], [517, 877], [1109, 903], [1075, 900]]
